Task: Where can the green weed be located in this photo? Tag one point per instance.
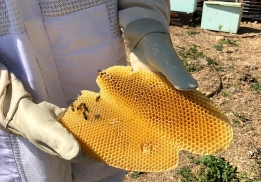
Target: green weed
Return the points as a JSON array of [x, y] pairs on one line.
[[193, 160], [241, 117], [253, 174], [211, 169], [211, 61], [230, 67], [218, 68], [250, 127], [218, 47], [192, 32], [235, 121], [191, 67], [229, 42], [191, 53], [186, 174], [244, 177], [220, 27], [217, 169], [257, 87], [225, 94], [136, 174]]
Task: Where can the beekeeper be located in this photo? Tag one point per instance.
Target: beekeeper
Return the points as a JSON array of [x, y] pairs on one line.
[[50, 50]]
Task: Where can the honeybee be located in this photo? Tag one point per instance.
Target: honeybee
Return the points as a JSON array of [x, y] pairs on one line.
[[80, 106], [97, 98], [85, 107], [84, 115], [72, 107], [101, 73], [97, 116]]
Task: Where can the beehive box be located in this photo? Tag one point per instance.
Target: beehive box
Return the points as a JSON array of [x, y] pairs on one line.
[[140, 122], [181, 19], [185, 6], [221, 16]]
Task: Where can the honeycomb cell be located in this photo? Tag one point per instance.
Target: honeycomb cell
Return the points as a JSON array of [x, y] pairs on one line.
[[140, 122]]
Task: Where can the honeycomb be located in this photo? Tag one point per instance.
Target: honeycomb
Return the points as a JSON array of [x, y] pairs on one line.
[[140, 122]]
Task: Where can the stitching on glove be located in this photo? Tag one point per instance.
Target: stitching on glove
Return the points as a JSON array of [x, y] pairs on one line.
[[7, 120]]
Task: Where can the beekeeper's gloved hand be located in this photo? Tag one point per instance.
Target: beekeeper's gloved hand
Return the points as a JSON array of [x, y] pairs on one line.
[[151, 49], [38, 123]]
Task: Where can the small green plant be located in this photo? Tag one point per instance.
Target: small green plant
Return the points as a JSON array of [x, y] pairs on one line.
[[250, 127], [186, 174], [136, 174], [235, 121], [220, 27], [244, 177], [211, 61], [193, 160], [210, 169], [191, 53], [241, 117], [225, 94], [257, 87], [253, 174], [191, 67], [230, 67], [257, 170], [218, 47], [217, 169], [218, 68], [192, 32], [229, 42]]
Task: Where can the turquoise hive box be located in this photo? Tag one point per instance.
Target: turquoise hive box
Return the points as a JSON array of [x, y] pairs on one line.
[[221, 16], [185, 6]]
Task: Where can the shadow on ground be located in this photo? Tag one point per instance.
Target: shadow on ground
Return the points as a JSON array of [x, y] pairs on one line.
[[245, 30]]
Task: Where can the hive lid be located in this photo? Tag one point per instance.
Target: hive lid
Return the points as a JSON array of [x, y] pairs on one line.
[[220, 3]]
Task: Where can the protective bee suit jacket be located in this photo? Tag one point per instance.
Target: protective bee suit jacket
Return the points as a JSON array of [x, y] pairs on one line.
[[55, 47]]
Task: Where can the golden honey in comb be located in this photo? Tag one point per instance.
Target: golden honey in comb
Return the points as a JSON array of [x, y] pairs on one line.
[[140, 122]]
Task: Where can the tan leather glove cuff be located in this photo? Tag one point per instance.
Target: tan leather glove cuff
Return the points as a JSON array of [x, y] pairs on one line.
[[13, 94], [137, 29]]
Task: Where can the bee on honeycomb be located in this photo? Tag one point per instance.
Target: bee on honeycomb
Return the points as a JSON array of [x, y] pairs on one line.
[[97, 98], [97, 116], [72, 107], [84, 115], [85, 107], [146, 122]]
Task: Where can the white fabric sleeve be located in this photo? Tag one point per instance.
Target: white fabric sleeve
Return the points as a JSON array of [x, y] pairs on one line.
[[11, 92], [4, 81], [131, 10]]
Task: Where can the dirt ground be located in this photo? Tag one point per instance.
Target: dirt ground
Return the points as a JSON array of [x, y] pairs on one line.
[[239, 67]]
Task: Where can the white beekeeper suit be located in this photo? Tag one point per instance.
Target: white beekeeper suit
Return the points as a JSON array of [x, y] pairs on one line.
[[55, 48]]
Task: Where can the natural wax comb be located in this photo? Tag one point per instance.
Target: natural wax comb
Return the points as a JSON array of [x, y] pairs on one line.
[[140, 122]]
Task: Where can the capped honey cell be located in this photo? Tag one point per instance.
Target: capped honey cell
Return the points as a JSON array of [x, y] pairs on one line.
[[140, 122]]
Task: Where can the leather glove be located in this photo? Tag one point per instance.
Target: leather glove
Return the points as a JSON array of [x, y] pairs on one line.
[[38, 123], [151, 49]]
